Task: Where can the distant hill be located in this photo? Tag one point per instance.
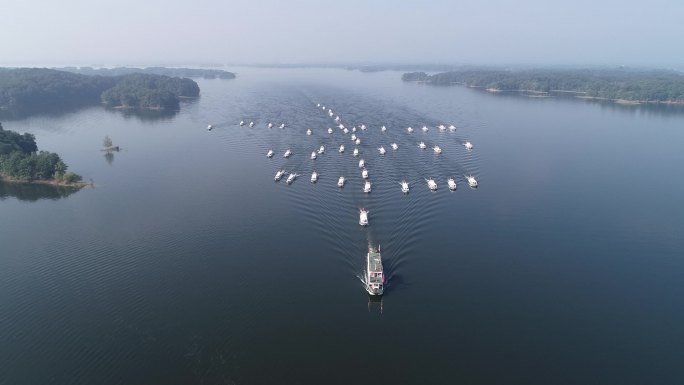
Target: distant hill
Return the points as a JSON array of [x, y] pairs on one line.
[[173, 72], [620, 85], [33, 90]]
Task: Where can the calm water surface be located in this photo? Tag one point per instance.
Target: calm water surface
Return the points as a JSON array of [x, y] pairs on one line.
[[188, 264]]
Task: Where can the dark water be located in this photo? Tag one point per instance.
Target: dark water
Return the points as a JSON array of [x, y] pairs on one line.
[[188, 264]]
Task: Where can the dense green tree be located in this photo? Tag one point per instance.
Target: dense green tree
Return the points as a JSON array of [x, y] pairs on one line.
[[39, 89], [20, 160]]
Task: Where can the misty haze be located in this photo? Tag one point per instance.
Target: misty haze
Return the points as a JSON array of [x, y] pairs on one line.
[[312, 192]]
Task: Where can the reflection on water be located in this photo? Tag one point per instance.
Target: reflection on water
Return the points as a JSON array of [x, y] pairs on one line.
[[51, 111], [109, 157], [34, 192], [144, 115]]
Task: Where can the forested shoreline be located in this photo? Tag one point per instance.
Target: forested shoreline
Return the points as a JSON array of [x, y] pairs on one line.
[[655, 86], [42, 89]]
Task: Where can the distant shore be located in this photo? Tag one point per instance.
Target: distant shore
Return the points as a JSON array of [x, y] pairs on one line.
[[618, 85], [582, 95]]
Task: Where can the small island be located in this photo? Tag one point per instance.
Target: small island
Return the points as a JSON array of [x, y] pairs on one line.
[[622, 85], [21, 162]]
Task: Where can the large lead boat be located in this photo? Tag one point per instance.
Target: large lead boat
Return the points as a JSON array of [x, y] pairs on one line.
[[375, 276]]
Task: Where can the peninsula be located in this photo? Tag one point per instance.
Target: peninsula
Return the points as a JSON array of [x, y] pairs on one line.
[[21, 162]]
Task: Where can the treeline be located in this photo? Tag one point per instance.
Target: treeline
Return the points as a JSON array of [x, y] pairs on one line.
[[41, 89], [20, 160], [149, 91], [172, 72], [618, 84]]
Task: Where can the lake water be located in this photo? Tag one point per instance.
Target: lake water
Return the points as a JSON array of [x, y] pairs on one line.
[[188, 264]]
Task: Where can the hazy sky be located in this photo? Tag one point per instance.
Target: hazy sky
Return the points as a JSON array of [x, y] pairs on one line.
[[81, 32]]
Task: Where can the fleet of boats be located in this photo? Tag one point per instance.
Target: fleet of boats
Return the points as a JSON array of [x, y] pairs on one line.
[[375, 276]]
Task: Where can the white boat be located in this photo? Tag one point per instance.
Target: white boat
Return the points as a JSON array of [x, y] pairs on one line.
[[432, 185], [383, 128], [364, 174], [367, 187], [353, 137], [282, 125], [287, 154], [337, 118], [468, 145], [330, 113], [323, 108], [437, 150], [279, 175], [452, 184], [321, 150], [363, 217], [361, 163], [313, 155], [340, 182], [422, 145], [472, 182], [363, 127], [308, 131], [291, 178], [318, 104], [452, 128], [442, 127], [375, 275], [270, 125], [269, 154], [394, 146], [358, 141], [354, 129], [404, 186], [381, 150], [425, 129], [410, 130], [341, 126], [341, 148], [242, 123], [345, 130], [314, 177], [330, 130], [209, 127], [251, 124], [356, 152]]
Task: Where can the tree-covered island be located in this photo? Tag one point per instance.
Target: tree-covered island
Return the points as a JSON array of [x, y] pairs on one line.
[[618, 85], [40, 89], [20, 161]]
